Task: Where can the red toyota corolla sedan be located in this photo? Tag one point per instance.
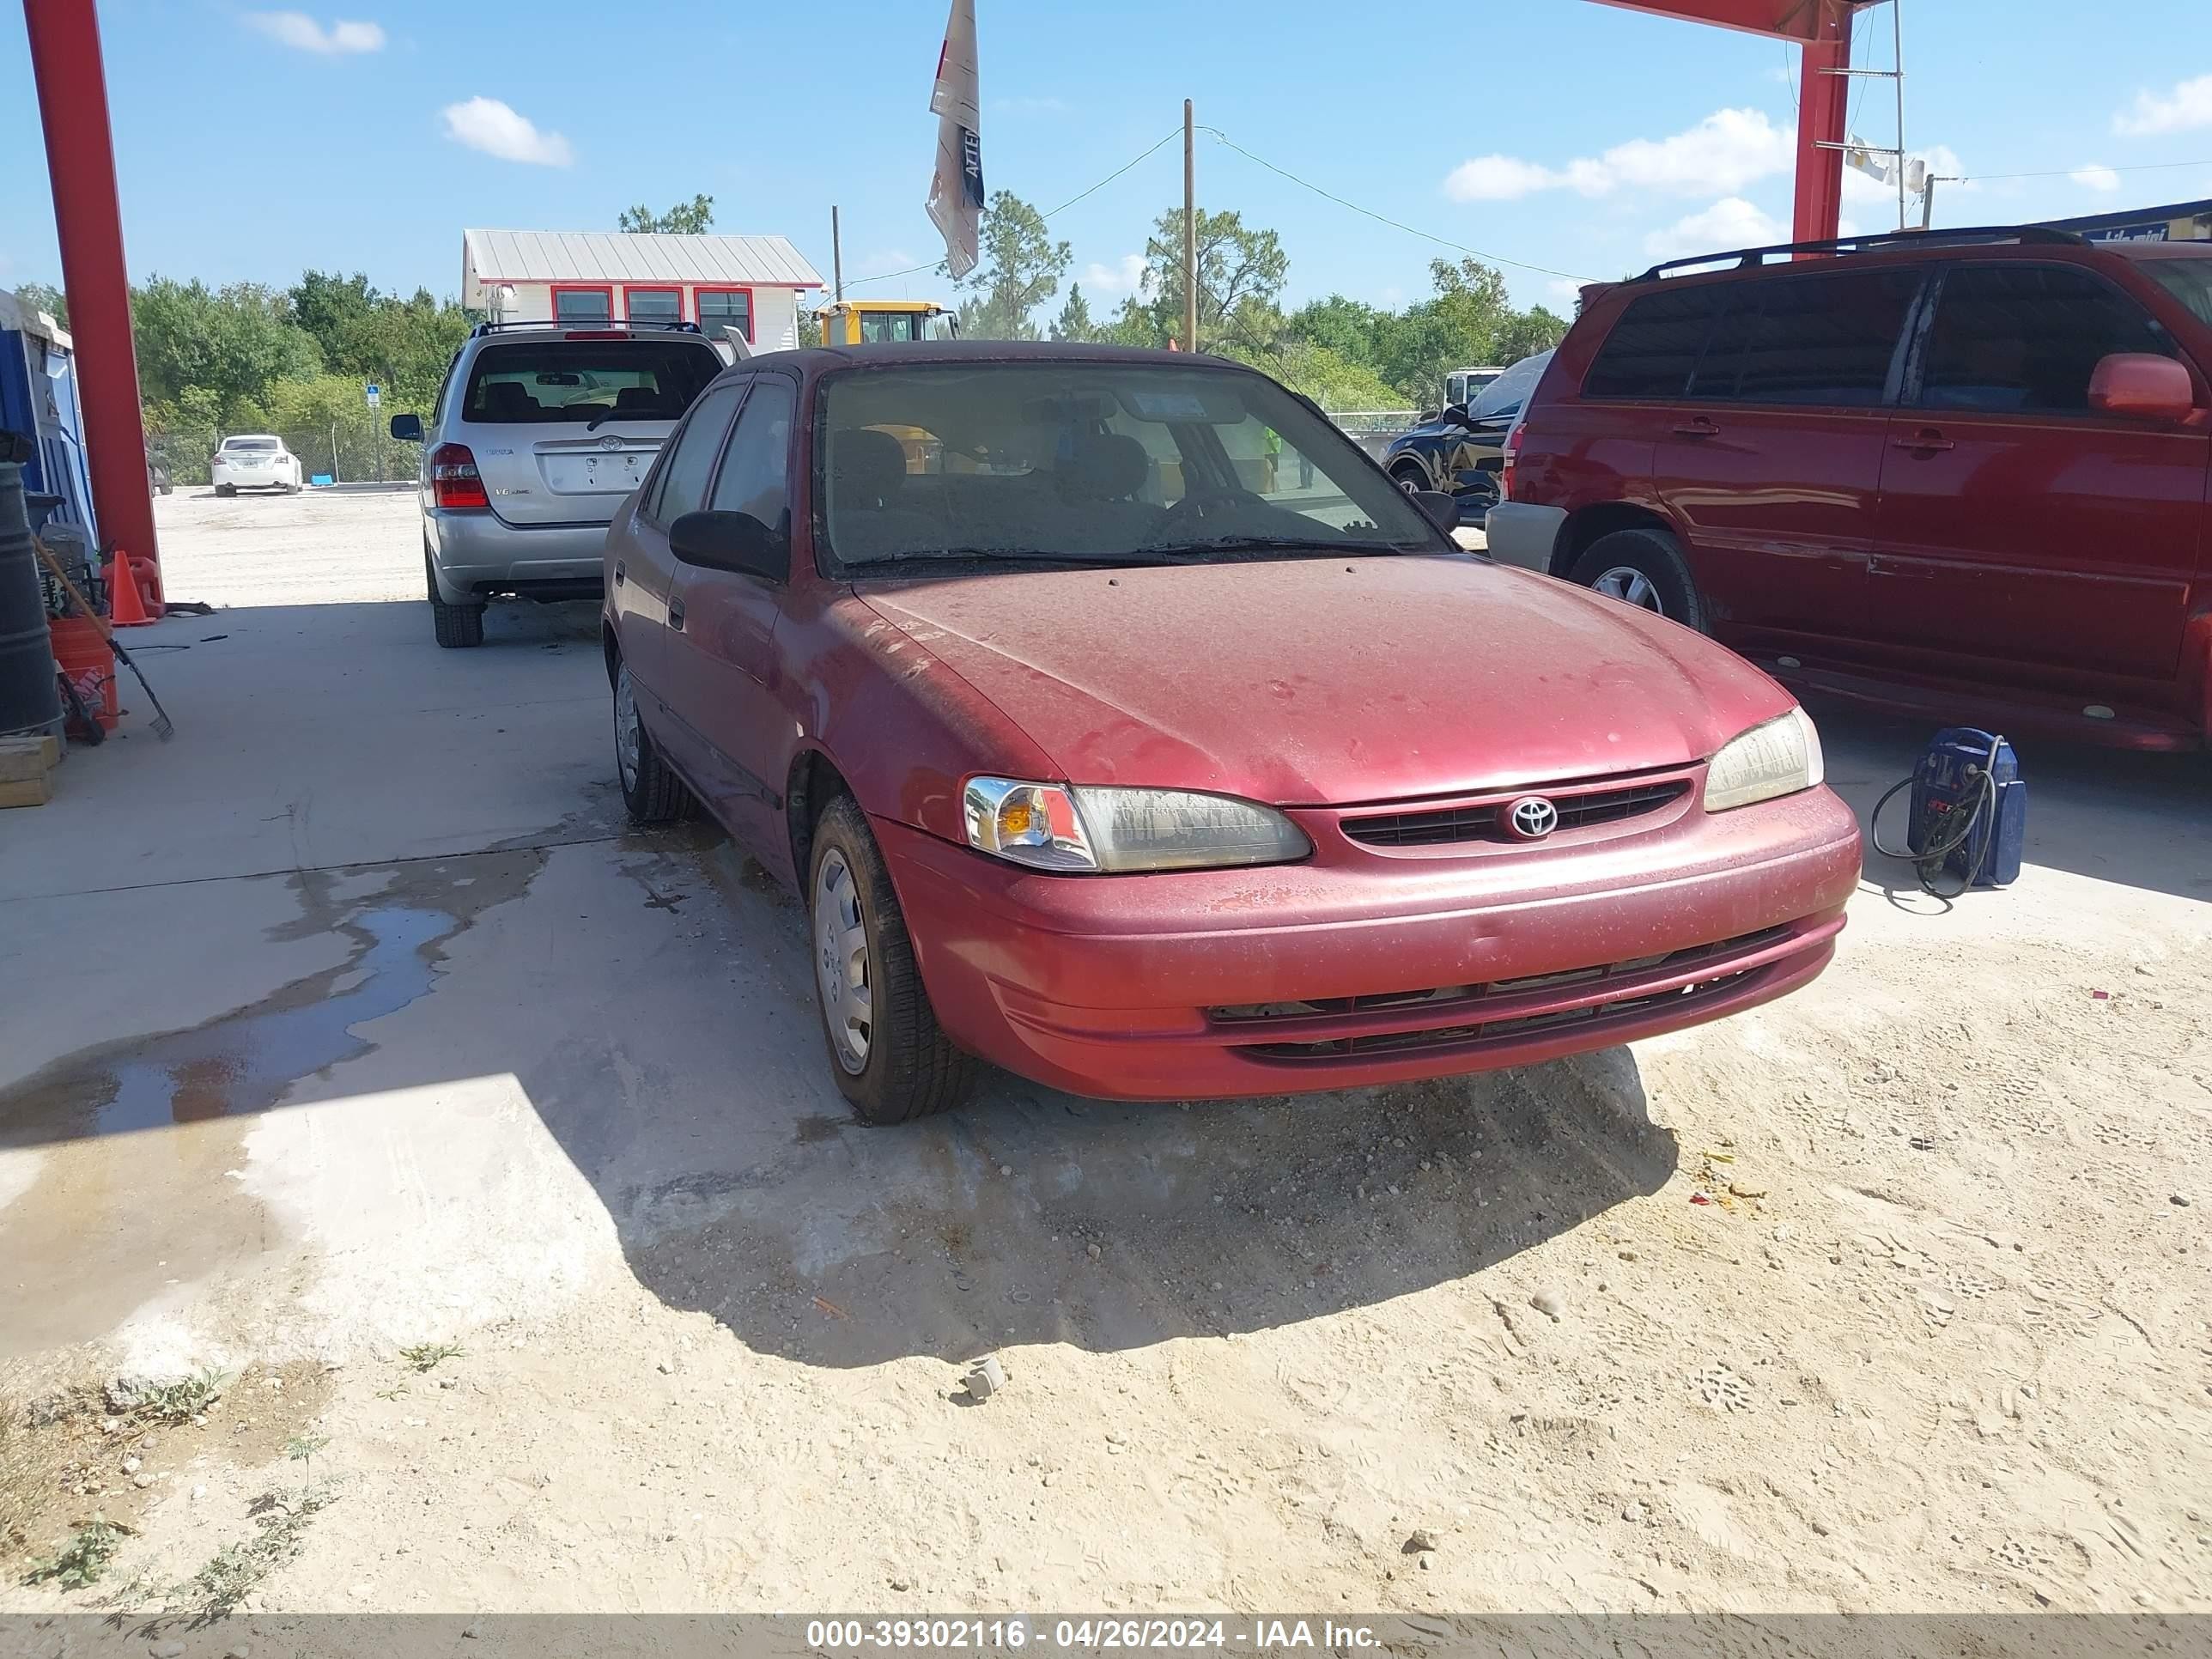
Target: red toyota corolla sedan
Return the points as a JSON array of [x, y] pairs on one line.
[[1121, 724]]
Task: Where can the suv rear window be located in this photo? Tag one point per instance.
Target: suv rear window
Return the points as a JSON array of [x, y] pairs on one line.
[[556, 381], [1655, 345]]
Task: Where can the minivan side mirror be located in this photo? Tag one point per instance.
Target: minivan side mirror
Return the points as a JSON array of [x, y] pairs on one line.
[[1442, 509], [1456, 413], [2141, 384], [408, 427], [730, 541]]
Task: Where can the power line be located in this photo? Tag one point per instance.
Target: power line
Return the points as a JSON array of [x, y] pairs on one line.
[[1426, 236], [931, 264]]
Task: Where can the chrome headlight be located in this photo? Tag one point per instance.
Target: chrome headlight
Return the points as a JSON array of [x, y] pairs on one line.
[[1778, 757], [1051, 827]]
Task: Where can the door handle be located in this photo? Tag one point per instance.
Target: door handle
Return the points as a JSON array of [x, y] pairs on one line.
[[676, 615], [1700, 428], [622, 569], [1926, 441]]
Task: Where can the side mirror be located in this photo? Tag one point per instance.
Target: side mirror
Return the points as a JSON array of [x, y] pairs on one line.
[[1442, 509], [1456, 413], [730, 541], [408, 427], [2141, 384]]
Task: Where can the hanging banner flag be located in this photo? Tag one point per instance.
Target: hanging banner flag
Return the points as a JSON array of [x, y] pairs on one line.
[[956, 190], [1875, 163]]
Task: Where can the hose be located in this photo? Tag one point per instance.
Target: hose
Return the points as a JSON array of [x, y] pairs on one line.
[[1928, 862]]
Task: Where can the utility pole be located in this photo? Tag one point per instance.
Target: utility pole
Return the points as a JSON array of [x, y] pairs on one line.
[[1189, 231], [837, 255], [1897, 46]]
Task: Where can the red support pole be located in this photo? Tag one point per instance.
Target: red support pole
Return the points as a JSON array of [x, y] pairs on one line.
[[1821, 108], [81, 160]]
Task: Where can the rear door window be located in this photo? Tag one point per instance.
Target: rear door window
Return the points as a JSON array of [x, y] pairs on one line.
[[753, 477], [1655, 344], [551, 382], [2024, 339], [1825, 340], [682, 487]]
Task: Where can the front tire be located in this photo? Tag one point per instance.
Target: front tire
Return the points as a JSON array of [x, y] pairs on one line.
[[226, 490], [1411, 475], [457, 626], [1645, 568], [892, 1059], [652, 791]]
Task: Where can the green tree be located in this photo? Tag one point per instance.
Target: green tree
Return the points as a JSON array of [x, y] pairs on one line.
[[1018, 268], [1073, 324], [1526, 333], [1237, 268], [693, 218], [233, 344], [405, 343]]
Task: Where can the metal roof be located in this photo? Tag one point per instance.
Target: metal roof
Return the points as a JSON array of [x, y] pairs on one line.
[[618, 256]]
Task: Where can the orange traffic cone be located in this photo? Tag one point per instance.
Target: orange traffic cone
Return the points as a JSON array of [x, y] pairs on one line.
[[124, 609], [148, 576]]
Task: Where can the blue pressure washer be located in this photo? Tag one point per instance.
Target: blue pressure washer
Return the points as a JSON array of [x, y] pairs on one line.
[[1969, 812]]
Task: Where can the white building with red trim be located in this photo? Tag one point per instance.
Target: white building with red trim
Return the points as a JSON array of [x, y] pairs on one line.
[[747, 285]]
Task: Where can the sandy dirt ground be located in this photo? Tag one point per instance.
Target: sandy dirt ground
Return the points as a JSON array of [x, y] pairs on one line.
[[373, 1072]]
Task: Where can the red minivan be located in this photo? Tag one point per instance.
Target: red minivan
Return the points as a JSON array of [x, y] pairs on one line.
[[1959, 473]]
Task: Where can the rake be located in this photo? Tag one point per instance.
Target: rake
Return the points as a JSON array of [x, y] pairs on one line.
[[164, 727]]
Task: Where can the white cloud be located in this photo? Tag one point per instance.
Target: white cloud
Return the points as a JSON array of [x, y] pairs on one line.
[[298, 30], [1730, 222], [487, 125], [1727, 151], [1126, 275], [2096, 178], [2188, 105], [1565, 290]]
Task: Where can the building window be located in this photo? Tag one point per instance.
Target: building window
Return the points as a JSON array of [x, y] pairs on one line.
[[726, 310], [653, 305], [583, 305]]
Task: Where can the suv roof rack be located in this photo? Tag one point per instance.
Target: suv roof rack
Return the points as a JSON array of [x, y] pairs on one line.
[[1749, 258], [481, 329]]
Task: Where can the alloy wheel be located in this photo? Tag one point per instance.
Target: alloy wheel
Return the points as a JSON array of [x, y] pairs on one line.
[[1630, 585], [628, 738]]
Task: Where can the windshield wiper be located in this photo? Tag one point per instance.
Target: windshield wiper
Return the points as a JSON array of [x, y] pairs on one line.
[[1009, 555], [597, 421], [1184, 552]]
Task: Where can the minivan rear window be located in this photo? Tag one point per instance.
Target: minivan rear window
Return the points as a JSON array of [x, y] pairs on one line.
[[1655, 344], [557, 381], [1823, 339]]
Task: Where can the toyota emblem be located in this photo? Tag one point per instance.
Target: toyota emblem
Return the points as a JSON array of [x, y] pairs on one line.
[[1532, 817], [610, 443]]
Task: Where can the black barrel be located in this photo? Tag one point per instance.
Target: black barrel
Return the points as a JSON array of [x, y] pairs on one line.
[[29, 700]]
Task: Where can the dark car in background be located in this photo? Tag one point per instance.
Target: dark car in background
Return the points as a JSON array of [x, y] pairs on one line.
[[1460, 451], [1961, 473], [1120, 723]]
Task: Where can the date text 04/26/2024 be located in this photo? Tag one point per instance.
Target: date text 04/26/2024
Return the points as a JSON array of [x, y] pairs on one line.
[[1083, 1635]]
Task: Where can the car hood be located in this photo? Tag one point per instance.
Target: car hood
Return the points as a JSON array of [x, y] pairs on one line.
[[1323, 681]]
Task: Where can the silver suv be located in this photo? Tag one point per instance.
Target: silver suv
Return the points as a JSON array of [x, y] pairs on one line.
[[538, 433]]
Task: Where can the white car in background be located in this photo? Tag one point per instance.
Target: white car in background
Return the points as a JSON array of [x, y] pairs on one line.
[[255, 461]]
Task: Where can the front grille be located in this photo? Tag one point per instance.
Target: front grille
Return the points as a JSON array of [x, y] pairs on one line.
[[1459, 1006], [1447, 825]]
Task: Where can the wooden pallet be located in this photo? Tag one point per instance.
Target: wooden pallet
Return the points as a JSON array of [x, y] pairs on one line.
[[27, 770]]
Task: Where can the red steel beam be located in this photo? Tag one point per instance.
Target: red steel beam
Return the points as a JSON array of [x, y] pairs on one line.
[[81, 159], [1823, 28]]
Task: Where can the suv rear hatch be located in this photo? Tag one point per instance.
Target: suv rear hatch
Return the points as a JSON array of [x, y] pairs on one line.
[[563, 426]]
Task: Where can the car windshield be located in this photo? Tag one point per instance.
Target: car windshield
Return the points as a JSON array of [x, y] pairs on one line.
[[1089, 463], [1504, 395], [2188, 280], [234, 444], [557, 382]]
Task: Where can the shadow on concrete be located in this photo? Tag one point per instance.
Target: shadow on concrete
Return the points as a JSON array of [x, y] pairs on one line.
[[2141, 820]]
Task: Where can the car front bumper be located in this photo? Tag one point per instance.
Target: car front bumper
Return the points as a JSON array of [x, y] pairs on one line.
[[1521, 534], [479, 553], [1325, 976]]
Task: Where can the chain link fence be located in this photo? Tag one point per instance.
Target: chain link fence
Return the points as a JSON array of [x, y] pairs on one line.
[[358, 449]]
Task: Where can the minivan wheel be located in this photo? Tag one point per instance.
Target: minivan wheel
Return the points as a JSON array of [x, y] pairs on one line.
[[457, 626], [1410, 477], [891, 1060], [1645, 568], [651, 790]]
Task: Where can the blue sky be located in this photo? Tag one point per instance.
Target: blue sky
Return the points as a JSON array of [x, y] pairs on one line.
[[252, 144]]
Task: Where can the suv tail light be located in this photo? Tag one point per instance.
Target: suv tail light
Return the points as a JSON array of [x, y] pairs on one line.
[[454, 480], [1512, 455]]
